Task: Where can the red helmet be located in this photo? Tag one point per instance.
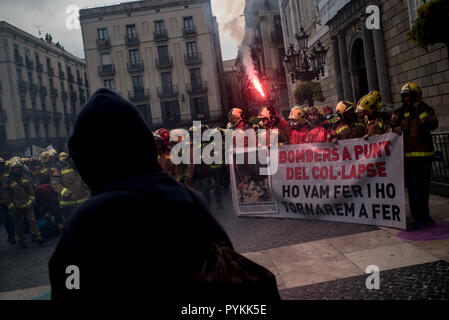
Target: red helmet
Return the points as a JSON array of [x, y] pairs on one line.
[[164, 135]]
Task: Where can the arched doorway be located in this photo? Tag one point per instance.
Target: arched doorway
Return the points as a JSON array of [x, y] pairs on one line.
[[358, 69]]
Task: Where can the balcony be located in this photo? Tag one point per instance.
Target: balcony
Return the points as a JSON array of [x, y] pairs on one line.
[[192, 58], [34, 89], [18, 60], [135, 66], [197, 87], [164, 62], [23, 86], [35, 115], [50, 71], [57, 116], [53, 93], [189, 32], [131, 40], [64, 95], [167, 91], [103, 44], [39, 67], [29, 64], [161, 35], [61, 74], [139, 95], [106, 69], [73, 96], [71, 78], [277, 37], [43, 91], [3, 116]]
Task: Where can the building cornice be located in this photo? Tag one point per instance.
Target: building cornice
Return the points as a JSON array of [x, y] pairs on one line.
[[132, 7]]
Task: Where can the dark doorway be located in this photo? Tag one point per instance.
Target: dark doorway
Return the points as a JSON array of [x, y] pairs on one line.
[[360, 78]]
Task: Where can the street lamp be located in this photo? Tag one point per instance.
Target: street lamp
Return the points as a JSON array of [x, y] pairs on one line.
[[311, 66]]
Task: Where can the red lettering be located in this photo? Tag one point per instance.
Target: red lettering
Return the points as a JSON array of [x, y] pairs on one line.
[[358, 151], [315, 175], [381, 171], [371, 170], [282, 157], [290, 173], [335, 154], [327, 155]]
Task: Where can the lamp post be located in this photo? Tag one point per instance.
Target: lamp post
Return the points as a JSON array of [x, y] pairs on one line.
[[303, 67]]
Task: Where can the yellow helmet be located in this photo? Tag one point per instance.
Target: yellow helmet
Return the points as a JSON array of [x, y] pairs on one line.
[[45, 156], [297, 116], [2, 160], [265, 114], [370, 103], [235, 116], [15, 162], [13, 159], [63, 156], [411, 88], [7, 163], [25, 160], [343, 106]]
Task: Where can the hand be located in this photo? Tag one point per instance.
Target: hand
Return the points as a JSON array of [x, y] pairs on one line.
[[365, 137], [335, 141]]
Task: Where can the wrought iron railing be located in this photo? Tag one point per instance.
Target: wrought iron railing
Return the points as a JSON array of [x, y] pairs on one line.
[[440, 167]]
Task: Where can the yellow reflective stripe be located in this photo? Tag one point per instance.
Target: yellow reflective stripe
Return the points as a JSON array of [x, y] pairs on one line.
[[423, 115], [67, 203], [11, 205], [380, 125], [13, 184], [67, 171], [81, 200], [33, 198], [341, 129], [64, 191], [419, 154], [26, 204], [44, 170], [25, 180], [407, 114], [359, 124]]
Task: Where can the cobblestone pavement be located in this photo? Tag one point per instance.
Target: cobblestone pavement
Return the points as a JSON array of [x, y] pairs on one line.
[[419, 282]]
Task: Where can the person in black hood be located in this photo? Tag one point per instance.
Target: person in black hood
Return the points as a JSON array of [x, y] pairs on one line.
[[141, 229]]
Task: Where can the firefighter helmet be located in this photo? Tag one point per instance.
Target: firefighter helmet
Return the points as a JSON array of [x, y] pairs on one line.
[[343, 106], [265, 113], [2, 160], [7, 163], [297, 116], [235, 116], [164, 135], [411, 88], [370, 103], [176, 135], [46, 156], [15, 162], [63, 156], [13, 159], [314, 115]]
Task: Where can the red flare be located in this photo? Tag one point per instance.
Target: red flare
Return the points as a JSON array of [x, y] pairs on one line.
[[258, 86]]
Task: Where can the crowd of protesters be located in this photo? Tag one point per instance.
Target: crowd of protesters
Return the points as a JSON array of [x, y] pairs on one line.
[[37, 195]]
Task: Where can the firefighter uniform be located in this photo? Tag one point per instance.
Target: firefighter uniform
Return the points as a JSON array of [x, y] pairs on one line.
[[417, 120], [297, 129], [71, 190], [368, 108], [5, 215], [20, 194], [349, 127]]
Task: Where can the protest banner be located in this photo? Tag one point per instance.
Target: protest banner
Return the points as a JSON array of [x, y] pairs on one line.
[[354, 181]]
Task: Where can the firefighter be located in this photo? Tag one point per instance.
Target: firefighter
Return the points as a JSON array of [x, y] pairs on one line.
[[217, 169], [48, 163], [368, 108], [176, 137], [270, 120], [162, 139], [20, 201], [236, 120], [5, 215], [68, 185], [349, 126], [298, 126], [416, 120], [318, 131], [331, 118]]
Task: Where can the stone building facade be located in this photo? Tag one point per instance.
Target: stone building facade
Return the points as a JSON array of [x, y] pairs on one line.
[[231, 84], [42, 88], [361, 59], [163, 55]]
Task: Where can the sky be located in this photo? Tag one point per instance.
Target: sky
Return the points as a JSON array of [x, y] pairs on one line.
[[50, 16]]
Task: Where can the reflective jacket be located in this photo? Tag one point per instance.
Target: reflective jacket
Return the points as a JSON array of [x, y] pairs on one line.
[[44, 175], [346, 130], [19, 192], [376, 127], [418, 142], [67, 182], [298, 135]]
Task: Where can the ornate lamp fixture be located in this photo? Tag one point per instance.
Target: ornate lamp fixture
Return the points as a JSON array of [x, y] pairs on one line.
[[303, 67]]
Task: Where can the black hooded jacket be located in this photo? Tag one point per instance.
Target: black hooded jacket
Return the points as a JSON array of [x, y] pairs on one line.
[[141, 231]]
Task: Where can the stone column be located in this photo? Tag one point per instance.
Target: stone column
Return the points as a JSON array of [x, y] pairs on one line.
[[368, 49], [337, 68], [346, 78], [382, 68]]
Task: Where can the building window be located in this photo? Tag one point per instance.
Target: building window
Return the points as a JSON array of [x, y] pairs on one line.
[[188, 24], [145, 110], [46, 130], [134, 57], [195, 76], [138, 83], [19, 74], [170, 111], [102, 34], [166, 80], [37, 130], [57, 129], [3, 134], [54, 108], [131, 31], [192, 49], [413, 6], [199, 108], [16, 51], [105, 59], [162, 52], [159, 27], [109, 84], [51, 82], [277, 23]]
